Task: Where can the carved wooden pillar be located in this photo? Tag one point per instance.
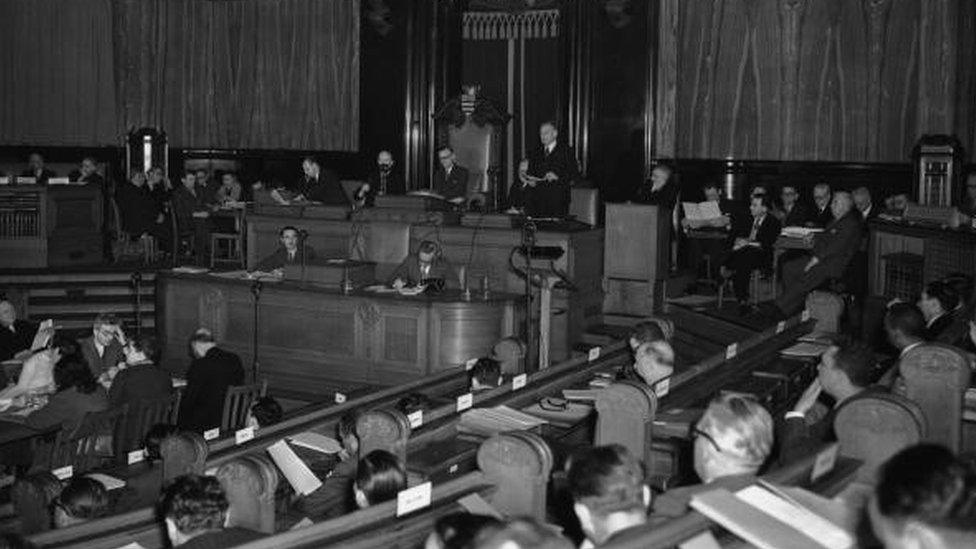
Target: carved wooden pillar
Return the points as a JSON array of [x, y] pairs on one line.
[[660, 124], [791, 15], [937, 66]]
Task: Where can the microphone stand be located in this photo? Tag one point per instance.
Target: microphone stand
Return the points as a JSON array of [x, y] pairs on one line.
[[528, 241], [137, 284], [256, 292]]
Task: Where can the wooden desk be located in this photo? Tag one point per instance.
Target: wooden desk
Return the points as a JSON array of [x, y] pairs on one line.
[[313, 338], [945, 250], [43, 225]]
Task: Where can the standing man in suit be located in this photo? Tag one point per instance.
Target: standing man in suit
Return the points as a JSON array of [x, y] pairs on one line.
[[36, 169], [451, 179], [318, 185], [212, 371], [424, 267], [553, 166], [831, 253], [752, 248], [16, 335], [822, 215], [103, 349]]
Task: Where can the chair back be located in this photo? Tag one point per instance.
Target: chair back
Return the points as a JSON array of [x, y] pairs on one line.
[[31, 497], [90, 444], [936, 378], [625, 416], [141, 417], [472, 146], [183, 453], [250, 483], [238, 403], [584, 205], [519, 464], [874, 427], [384, 429]]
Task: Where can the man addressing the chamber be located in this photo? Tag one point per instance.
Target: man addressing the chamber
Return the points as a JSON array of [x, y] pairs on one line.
[[552, 169], [425, 268], [290, 252]]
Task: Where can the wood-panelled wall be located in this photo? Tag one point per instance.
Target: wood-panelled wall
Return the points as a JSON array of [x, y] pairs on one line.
[[839, 80]]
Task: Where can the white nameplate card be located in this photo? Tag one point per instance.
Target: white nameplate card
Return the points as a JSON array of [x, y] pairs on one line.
[[465, 401], [5, 180], [416, 419], [519, 381], [211, 472], [825, 462], [662, 387], [26, 180], [805, 315], [470, 363], [731, 351], [244, 435], [705, 540], [593, 354], [452, 469], [780, 326], [412, 499], [136, 456], [340, 398], [63, 473], [211, 434]]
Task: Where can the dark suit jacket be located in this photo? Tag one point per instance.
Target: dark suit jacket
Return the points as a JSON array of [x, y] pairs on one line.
[[279, 259], [947, 329], [42, 179], [551, 199], [21, 338], [139, 382], [873, 213], [766, 235], [835, 247], [207, 381], [453, 185], [797, 217], [184, 204], [97, 364], [394, 183], [67, 408], [409, 272], [138, 208], [819, 218], [326, 189]]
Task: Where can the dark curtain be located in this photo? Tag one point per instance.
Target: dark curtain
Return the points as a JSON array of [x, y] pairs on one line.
[[241, 74], [56, 73]]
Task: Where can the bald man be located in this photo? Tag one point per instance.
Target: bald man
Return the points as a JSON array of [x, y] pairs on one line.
[[15, 335], [384, 179], [553, 169]]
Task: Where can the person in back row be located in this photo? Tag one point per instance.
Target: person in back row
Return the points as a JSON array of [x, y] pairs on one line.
[[610, 496], [925, 498], [485, 374], [83, 499], [732, 441], [380, 477], [752, 249], [211, 373], [194, 509]]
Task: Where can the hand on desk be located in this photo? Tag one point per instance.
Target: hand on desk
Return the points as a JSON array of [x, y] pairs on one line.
[[398, 284], [551, 176], [810, 264]]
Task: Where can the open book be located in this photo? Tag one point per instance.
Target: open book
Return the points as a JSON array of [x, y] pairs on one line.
[[701, 211]]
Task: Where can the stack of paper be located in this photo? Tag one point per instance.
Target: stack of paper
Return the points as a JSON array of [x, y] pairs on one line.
[[701, 211], [805, 349], [294, 469], [317, 442], [800, 232], [485, 422]]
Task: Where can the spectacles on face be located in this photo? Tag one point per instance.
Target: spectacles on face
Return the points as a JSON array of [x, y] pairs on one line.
[[696, 433]]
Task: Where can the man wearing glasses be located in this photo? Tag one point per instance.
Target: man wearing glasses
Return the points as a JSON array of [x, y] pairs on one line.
[[731, 441], [103, 349], [451, 179]]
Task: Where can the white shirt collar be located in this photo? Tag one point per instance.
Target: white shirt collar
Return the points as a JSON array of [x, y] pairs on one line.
[[909, 348], [550, 147], [100, 349]]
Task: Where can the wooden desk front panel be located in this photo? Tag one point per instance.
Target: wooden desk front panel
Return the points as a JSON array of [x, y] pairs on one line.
[[944, 250]]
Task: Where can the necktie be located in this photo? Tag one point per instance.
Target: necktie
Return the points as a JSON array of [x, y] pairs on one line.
[[755, 228]]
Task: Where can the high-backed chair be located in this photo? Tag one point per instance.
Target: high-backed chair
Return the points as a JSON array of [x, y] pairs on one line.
[[584, 205], [89, 446], [32, 497], [519, 464], [238, 403], [383, 429], [936, 378], [875, 427], [625, 415], [182, 454], [141, 417], [124, 246], [250, 483]]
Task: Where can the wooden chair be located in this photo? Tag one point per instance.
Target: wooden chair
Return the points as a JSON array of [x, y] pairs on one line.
[[250, 483], [89, 446], [141, 417], [519, 464], [625, 416], [31, 497], [936, 378], [232, 243], [125, 246], [874, 427], [238, 403], [762, 287], [182, 454], [386, 430]]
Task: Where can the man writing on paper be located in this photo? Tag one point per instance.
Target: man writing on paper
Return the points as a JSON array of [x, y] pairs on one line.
[[425, 268]]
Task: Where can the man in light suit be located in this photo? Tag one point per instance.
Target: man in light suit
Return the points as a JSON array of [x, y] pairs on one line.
[[103, 349], [451, 179]]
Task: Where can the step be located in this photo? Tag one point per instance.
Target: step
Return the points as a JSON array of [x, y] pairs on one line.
[[64, 279]]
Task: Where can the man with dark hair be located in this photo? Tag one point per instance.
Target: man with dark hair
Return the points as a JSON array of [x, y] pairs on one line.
[[426, 267], [937, 303], [103, 349], [844, 372], [194, 509], [81, 500], [450, 179], [791, 212], [485, 374], [88, 173], [830, 255], [290, 251], [212, 371], [609, 492], [554, 169], [904, 326], [318, 185], [264, 412], [752, 248], [925, 497]]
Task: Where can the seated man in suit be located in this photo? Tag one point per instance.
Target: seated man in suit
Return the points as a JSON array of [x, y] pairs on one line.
[[924, 498], [426, 267], [791, 212], [731, 442], [139, 377], [36, 169], [752, 248], [290, 252], [610, 496], [382, 180], [831, 253], [103, 349], [194, 509], [822, 214], [211, 373], [553, 170], [141, 211], [937, 303], [700, 243], [16, 335], [88, 173], [318, 185], [844, 372], [864, 205], [451, 179], [192, 214]]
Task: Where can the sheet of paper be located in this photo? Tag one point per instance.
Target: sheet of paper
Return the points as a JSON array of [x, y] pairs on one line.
[[809, 523], [298, 474], [317, 442], [109, 482]]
